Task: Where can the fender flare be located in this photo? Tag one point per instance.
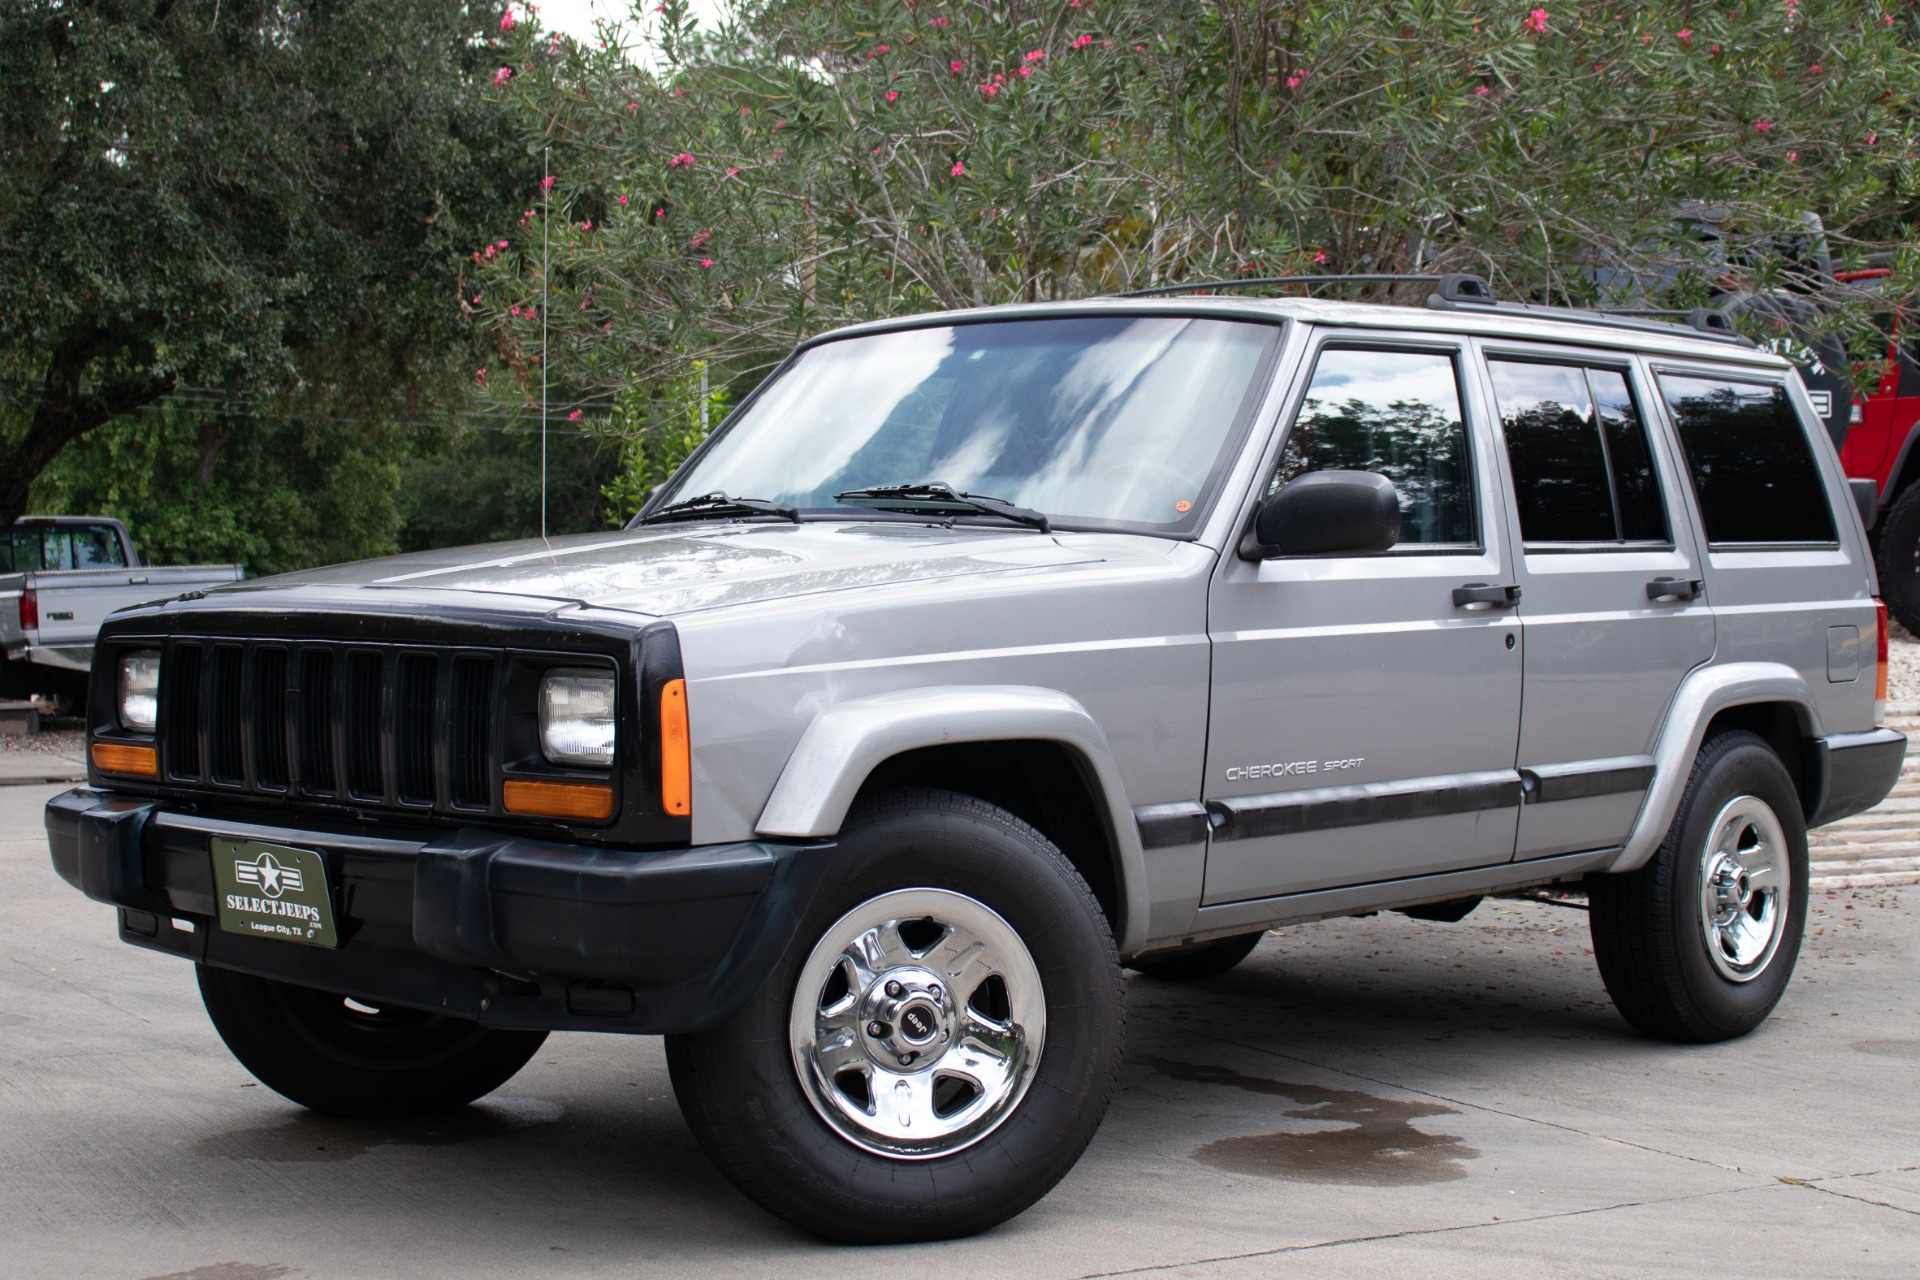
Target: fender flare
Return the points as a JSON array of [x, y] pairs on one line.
[[846, 742], [1705, 692]]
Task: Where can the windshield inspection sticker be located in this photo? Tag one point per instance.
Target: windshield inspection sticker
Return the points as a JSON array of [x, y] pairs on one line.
[[271, 891]]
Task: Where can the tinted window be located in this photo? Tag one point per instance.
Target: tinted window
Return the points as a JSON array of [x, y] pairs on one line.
[[1582, 471], [1748, 458], [27, 550], [1397, 413]]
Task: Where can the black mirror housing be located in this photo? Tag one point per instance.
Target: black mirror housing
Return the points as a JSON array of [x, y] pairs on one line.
[[1326, 513]]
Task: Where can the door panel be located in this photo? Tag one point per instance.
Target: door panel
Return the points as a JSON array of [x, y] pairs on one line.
[[1597, 524], [1363, 726]]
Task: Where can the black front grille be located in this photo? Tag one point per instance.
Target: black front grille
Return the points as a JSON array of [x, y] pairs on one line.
[[389, 726]]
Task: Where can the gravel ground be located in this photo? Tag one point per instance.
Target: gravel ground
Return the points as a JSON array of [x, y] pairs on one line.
[[58, 736], [1903, 664]]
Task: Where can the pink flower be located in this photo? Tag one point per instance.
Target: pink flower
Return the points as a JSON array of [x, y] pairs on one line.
[[1293, 82], [546, 183], [1035, 55], [514, 310], [1025, 72], [607, 327], [1761, 126], [574, 416], [480, 375], [876, 151], [1537, 22], [621, 199], [956, 66], [878, 50], [938, 22], [1872, 138], [699, 239], [705, 263], [733, 171], [1814, 69], [587, 225], [1481, 91], [506, 20], [1685, 34], [892, 96], [988, 90], [491, 251], [502, 244], [779, 153], [1320, 258], [779, 124], [1793, 156], [958, 170], [1082, 42], [503, 75], [682, 161], [585, 303], [633, 106]]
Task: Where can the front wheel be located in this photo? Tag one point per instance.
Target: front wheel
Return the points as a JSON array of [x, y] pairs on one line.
[[1698, 945], [343, 1057], [937, 1047]]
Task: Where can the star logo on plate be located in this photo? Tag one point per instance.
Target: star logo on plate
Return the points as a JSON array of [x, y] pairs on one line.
[[271, 875]]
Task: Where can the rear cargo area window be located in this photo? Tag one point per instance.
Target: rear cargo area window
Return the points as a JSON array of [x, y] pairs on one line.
[[1396, 413], [1748, 458], [1582, 471]]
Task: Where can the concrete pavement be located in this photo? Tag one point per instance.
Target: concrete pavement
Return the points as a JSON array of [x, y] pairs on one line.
[[1362, 1097]]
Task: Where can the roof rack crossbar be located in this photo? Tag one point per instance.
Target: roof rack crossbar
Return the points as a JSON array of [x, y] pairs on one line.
[[1162, 290]]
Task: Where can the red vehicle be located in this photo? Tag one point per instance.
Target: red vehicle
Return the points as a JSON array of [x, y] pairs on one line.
[[1881, 448]]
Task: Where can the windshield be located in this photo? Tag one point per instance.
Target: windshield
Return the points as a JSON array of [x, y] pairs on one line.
[[1118, 420]]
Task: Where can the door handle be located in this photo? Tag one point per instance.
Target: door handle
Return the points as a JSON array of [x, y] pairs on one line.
[[1479, 595], [1666, 589]]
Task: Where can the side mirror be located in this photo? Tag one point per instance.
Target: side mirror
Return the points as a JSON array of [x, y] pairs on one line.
[[1326, 513]]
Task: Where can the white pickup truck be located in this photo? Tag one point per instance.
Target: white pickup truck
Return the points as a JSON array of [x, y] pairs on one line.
[[60, 576]]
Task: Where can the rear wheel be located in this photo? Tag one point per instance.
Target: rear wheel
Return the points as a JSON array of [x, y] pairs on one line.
[[1899, 558], [938, 1045], [1698, 945], [1208, 960], [344, 1057]]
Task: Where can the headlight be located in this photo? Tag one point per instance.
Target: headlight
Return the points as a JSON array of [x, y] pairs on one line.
[[140, 690], [576, 718]]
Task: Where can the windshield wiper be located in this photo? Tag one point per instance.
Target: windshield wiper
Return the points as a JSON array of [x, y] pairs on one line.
[[935, 496], [720, 504]]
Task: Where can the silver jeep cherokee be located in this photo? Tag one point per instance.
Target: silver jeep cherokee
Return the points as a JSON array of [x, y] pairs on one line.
[[980, 654]]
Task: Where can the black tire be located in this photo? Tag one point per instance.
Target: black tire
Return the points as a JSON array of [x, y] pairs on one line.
[[1208, 960], [340, 1059], [1898, 557], [740, 1086], [1650, 932]]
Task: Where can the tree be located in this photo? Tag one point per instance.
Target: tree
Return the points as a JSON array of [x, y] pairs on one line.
[[255, 197], [816, 163]]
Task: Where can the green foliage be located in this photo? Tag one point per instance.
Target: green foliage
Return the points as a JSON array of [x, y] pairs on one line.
[[815, 163], [252, 196], [657, 425], [205, 488], [476, 486]]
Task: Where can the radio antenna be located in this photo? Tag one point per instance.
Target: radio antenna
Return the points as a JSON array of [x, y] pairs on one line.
[[546, 210]]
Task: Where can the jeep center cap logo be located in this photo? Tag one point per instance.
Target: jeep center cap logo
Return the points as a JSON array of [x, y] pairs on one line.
[[272, 891], [917, 1022]]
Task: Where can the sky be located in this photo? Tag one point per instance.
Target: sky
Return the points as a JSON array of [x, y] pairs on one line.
[[576, 17]]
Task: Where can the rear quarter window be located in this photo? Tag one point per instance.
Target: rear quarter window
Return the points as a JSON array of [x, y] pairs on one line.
[[1749, 461]]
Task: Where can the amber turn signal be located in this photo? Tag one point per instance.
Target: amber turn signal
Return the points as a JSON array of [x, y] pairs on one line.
[[111, 757], [676, 764], [585, 800]]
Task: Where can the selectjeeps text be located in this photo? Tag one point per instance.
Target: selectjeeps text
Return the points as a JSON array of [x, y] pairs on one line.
[[979, 655]]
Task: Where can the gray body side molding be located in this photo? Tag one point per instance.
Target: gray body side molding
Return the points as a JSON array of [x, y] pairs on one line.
[[845, 743], [1704, 692]]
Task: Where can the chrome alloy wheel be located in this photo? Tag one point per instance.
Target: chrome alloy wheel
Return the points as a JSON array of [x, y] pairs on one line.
[[917, 1023], [1744, 888]]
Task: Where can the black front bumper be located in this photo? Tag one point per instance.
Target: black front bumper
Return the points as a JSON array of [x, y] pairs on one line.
[[507, 931]]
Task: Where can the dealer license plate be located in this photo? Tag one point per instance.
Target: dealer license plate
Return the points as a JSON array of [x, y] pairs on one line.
[[271, 891]]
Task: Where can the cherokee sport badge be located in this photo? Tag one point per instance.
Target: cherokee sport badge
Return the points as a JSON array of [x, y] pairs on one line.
[[271, 891]]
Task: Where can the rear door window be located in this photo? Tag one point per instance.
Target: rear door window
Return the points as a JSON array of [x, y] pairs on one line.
[[96, 547], [1582, 470], [1396, 413], [1749, 460]]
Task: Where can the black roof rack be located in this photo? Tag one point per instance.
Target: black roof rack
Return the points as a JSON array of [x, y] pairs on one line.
[[1460, 290]]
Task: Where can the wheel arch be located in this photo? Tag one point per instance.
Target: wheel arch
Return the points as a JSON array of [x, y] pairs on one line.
[[1036, 752], [1769, 698]]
